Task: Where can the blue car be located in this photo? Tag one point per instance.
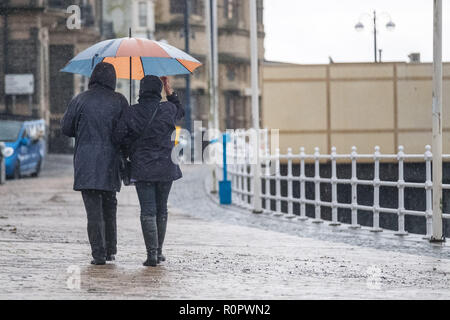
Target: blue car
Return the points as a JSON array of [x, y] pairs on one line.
[[24, 149]]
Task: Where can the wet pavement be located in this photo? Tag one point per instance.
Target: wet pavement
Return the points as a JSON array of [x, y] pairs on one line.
[[213, 252]]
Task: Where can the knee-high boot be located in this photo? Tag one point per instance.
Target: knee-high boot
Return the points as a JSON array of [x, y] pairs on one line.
[[150, 232], [161, 222]]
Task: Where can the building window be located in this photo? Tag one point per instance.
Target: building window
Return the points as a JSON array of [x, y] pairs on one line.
[[235, 110], [231, 9], [142, 14], [197, 7], [231, 72], [177, 7], [60, 4]]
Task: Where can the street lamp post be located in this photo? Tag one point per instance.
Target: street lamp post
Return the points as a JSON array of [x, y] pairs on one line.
[[257, 205], [437, 122], [375, 35], [390, 26], [213, 63], [187, 31]]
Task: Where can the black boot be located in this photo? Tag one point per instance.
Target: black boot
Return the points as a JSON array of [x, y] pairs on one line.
[[161, 257], [98, 262], [161, 222], [148, 223], [110, 257], [152, 259]]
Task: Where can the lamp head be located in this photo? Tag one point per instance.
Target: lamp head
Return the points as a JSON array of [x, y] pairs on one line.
[[390, 26], [359, 26]]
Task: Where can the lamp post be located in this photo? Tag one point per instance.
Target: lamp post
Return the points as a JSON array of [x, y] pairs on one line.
[[390, 26], [437, 235], [187, 32], [213, 63], [257, 206]]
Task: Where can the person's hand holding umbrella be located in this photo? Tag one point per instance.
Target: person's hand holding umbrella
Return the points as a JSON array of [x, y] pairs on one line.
[[167, 87]]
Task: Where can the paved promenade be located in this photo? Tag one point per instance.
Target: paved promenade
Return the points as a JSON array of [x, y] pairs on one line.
[[212, 252]]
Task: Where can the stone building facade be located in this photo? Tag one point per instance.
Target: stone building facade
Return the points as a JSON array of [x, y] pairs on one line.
[[165, 22], [121, 15], [234, 55], [35, 40]]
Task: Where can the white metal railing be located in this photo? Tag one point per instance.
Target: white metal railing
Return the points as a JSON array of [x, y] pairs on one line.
[[241, 175]]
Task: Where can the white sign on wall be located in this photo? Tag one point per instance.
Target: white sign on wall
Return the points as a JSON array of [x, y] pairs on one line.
[[17, 84]]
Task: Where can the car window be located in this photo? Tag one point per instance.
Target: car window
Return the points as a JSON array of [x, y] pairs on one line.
[[9, 130]]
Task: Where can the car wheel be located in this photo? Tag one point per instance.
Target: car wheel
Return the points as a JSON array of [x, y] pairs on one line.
[[38, 169], [16, 173]]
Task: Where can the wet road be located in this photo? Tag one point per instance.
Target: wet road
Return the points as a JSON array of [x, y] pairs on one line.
[[213, 252]]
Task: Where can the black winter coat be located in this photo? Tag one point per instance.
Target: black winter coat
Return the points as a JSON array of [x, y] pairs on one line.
[[91, 118], [150, 151]]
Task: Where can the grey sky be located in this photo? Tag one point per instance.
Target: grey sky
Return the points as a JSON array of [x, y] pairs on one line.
[[308, 31]]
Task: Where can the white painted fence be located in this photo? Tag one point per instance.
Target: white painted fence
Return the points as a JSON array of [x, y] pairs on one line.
[[241, 174]]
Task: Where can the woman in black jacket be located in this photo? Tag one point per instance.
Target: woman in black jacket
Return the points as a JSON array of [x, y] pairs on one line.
[[149, 147]]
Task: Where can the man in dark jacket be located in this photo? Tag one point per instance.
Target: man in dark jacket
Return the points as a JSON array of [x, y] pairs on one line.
[[91, 118], [149, 148]]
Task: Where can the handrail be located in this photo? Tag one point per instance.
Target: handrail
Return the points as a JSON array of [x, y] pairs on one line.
[[241, 173]]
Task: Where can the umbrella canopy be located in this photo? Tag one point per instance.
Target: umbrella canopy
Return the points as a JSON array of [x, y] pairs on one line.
[[133, 58]]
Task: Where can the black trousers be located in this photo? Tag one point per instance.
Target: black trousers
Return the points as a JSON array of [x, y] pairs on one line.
[[153, 200], [101, 209]]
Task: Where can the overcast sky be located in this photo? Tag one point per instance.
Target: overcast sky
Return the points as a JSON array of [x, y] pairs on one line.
[[308, 31]]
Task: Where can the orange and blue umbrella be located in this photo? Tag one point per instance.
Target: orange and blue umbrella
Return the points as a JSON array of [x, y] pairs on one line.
[[134, 58]]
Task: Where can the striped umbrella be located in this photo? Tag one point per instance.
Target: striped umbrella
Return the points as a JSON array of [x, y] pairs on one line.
[[133, 58]]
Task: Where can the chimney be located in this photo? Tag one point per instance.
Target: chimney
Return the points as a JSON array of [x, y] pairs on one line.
[[414, 57]]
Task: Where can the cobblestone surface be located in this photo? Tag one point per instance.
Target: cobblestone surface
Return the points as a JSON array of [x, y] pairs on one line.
[[213, 252]]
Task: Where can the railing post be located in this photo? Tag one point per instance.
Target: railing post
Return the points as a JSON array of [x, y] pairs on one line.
[[240, 176], [234, 166], [256, 176], [251, 185], [267, 175], [245, 197], [302, 186], [277, 184], [376, 191], [238, 184], [428, 191], [266, 138], [354, 183], [241, 170], [317, 218], [289, 185], [401, 194], [334, 203]]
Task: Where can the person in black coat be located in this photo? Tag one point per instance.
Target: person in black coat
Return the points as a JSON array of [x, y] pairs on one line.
[[149, 148], [91, 118]]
